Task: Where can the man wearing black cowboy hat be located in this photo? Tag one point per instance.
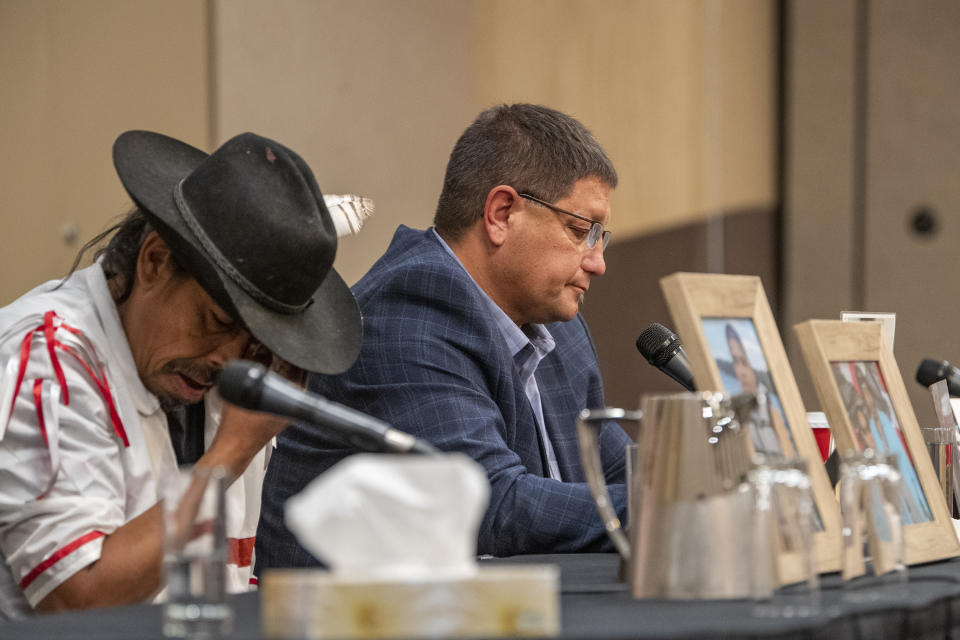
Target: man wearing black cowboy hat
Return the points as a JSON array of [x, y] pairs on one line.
[[225, 256]]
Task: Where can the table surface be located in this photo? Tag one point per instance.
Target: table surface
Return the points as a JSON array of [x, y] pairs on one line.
[[595, 605]]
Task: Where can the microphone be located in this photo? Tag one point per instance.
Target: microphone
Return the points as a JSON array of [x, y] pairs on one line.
[[250, 386], [931, 371], [661, 347]]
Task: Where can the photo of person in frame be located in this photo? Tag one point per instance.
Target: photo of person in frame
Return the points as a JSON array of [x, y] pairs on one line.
[[876, 427], [736, 349], [735, 346]]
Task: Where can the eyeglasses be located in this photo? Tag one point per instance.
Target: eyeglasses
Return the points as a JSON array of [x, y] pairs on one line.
[[596, 233]]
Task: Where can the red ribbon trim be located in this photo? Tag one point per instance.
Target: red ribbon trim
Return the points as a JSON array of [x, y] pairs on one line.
[[48, 332], [38, 404], [241, 552], [57, 556], [49, 329], [104, 388]]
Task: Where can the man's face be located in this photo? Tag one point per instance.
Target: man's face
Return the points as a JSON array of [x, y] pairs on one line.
[[741, 367], [547, 266], [180, 338]]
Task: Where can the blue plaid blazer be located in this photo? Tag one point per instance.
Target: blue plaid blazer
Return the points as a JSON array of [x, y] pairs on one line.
[[434, 364]]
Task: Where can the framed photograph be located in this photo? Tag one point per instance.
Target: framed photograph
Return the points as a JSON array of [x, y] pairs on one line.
[[863, 395], [731, 340]]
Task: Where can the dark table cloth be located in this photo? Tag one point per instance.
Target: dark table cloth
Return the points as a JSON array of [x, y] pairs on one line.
[[595, 605]]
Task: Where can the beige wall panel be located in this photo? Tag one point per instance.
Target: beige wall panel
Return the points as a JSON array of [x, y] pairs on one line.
[[913, 134], [749, 76], [74, 75], [899, 147], [681, 94], [372, 93], [819, 169]]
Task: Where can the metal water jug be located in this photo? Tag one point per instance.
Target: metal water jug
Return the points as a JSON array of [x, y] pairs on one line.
[[693, 510]]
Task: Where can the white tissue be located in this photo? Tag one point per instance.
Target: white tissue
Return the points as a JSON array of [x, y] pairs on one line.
[[393, 516]]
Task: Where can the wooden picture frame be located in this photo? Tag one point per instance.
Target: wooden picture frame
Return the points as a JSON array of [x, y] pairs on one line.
[[829, 348], [699, 304]]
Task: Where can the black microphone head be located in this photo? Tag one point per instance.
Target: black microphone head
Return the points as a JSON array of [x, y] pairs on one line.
[[658, 344], [931, 371], [241, 383]]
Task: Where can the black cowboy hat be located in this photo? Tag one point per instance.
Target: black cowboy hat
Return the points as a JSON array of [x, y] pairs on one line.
[[249, 223]]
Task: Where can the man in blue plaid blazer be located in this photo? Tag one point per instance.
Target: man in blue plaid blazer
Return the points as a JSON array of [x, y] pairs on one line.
[[473, 340]]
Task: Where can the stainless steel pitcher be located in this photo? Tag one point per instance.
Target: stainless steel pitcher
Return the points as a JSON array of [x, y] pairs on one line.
[[694, 512]]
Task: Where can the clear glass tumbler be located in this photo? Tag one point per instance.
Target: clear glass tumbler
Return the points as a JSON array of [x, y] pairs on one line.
[[782, 537], [941, 445], [873, 550], [195, 555]]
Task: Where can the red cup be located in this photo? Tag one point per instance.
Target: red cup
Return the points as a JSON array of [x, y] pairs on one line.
[[821, 431]]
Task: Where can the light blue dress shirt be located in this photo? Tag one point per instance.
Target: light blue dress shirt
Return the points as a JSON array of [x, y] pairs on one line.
[[528, 345]]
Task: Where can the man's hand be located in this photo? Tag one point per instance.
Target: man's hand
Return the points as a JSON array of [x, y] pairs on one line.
[[243, 433]]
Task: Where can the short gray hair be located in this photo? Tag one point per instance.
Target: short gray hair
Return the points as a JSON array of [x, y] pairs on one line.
[[532, 148]]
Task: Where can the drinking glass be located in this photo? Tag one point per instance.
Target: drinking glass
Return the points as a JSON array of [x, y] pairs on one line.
[[942, 447], [632, 463], [782, 538], [873, 549], [195, 554]]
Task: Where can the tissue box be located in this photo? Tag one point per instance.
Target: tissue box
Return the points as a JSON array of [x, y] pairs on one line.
[[503, 600]]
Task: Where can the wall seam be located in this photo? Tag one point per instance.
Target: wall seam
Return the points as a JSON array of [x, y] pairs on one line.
[[858, 267], [213, 102], [781, 83]]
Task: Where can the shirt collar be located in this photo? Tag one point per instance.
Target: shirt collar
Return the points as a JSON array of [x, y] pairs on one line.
[[120, 355], [517, 338]]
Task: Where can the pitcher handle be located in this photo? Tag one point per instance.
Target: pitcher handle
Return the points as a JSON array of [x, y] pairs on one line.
[[588, 426]]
